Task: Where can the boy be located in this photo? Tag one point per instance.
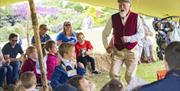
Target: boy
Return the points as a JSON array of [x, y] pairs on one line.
[[67, 68], [28, 80], [81, 83], [83, 49]]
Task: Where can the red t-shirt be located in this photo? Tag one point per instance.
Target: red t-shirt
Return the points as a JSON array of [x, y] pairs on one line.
[[86, 46]]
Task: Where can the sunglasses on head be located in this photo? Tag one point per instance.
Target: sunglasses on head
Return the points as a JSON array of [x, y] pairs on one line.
[[67, 24]]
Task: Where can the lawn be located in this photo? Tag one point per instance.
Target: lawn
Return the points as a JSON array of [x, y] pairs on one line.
[[145, 71]]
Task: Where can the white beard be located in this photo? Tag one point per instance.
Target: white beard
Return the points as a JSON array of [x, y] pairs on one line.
[[123, 13]]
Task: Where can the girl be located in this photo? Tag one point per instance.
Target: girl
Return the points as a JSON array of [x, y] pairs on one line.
[[52, 58], [30, 62]]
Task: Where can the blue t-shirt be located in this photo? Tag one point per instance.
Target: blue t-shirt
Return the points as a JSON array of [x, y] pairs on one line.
[[13, 52], [43, 38], [62, 37]]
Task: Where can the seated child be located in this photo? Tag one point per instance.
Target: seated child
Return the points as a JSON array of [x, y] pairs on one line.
[[81, 83], [28, 81], [52, 58], [67, 68], [30, 62], [83, 49], [113, 85]]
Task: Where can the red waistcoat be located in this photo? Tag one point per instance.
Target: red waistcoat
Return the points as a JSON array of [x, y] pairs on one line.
[[120, 30]]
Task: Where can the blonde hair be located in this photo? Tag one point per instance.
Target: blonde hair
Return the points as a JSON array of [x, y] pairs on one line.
[[66, 22], [28, 79], [64, 48], [29, 50], [19, 86]]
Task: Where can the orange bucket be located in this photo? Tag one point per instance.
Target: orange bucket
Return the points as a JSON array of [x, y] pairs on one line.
[[161, 74]]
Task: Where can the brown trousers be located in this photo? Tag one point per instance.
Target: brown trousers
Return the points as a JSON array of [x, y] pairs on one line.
[[129, 57]]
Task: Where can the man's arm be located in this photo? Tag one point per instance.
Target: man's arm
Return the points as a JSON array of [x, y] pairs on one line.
[[147, 31], [111, 43], [139, 35], [22, 54], [106, 32], [6, 54]]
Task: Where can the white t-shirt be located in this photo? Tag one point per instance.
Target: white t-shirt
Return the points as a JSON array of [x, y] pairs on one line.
[[175, 35], [72, 64]]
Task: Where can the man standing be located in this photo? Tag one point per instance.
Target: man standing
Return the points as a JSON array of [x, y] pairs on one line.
[[127, 31], [43, 36]]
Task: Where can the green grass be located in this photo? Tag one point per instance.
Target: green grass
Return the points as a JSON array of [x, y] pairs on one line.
[[145, 71]]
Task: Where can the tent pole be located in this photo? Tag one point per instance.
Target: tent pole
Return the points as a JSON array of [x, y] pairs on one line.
[[27, 28], [38, 44]]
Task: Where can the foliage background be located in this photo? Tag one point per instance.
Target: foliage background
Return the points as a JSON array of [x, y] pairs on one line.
[[75, 12]]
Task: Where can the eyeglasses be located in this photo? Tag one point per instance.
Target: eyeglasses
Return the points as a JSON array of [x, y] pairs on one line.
[[14, 40], [67, 25]]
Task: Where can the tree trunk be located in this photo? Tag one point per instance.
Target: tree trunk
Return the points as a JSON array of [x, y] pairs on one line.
[[38, 44]]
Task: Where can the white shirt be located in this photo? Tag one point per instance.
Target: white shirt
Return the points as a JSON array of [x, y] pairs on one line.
[[133, 38], [72, 64], [175, 35], [68, 63], [32, 89]]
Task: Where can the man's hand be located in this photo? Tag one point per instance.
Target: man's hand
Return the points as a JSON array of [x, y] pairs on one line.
[[109, 50], [13, 59], [7, 58], [7, 61], [124, 39], [21, 59]]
